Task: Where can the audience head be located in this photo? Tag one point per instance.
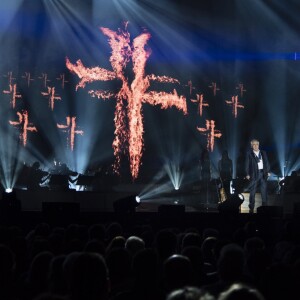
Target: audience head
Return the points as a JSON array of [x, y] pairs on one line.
[[207, 249], [145, 266], [113, 229], [166, 243], [231, 263], [134, 244], [189, 293], [7, 262], [241, 292], [191, 239], [177, 272], [97, 231], [89, 278]]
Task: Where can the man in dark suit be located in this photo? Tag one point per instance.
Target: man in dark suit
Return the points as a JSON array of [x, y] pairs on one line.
[[257, 171]]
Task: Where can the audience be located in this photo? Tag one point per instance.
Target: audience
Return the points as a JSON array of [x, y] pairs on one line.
[[141, 262], [240, 291]]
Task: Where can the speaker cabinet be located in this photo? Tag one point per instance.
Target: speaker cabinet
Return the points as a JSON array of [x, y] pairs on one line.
[[61, 208], [169, 209], [273, 211]]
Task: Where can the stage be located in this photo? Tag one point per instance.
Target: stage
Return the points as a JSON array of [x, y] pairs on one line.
[[102, 201]]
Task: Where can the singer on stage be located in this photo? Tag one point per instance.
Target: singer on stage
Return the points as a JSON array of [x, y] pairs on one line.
[[257, 172]]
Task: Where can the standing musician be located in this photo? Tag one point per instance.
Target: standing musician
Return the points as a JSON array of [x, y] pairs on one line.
[[225, 170], [257, 170]]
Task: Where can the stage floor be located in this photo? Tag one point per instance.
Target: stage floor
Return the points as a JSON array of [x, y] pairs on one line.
[[102, 201]]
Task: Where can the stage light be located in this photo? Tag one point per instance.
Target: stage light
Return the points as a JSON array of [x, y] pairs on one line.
[[175, 174], [232, 204], [127, 204], [10, 204], [241, 197]]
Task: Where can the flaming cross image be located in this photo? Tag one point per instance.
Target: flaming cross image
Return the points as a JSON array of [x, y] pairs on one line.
[[28, 78], [235, 104], [63, 80], [201, 102], [70, 129], [214, 88], [44, 79], [10, 77], [24, 126], [128, 118], [241, 89], [14, 94], [190, 85], [51, 96], [211, 134]]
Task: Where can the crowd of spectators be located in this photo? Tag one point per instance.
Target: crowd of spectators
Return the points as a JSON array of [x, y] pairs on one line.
[[111, 261]]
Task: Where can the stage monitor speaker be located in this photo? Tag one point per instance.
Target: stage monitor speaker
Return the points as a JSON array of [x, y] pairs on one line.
[[170, 209], [272, 211], [61, 208]]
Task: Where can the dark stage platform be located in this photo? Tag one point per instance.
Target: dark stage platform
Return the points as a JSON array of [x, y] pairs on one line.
[[102, 201]]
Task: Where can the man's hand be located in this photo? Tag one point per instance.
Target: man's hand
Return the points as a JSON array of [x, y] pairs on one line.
[[248, 177]]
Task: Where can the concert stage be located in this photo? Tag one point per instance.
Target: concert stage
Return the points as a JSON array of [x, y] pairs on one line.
[[102, 201]]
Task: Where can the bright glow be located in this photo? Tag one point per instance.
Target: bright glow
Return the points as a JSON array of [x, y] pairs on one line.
[[137, 199], [174, 173], [156, 190], [8, 190]]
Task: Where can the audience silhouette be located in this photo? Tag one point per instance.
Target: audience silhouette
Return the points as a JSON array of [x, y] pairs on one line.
[[122, 261]]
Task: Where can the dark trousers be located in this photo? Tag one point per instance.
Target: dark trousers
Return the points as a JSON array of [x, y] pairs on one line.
[[263, 190]]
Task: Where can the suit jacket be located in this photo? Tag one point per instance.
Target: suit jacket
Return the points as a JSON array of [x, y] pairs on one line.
[[251, 165]]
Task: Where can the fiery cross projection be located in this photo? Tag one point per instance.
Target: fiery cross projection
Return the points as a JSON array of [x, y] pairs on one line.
[[190, 85], [128, 118], [27, 77], [44, 79], [241, 89], [235, 104], [63, 80], [23, 125], [70, 129], [211, 133], [201, 102], [9, 77], [51, 96], [14, 94], [214, 88], [12, 89]]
